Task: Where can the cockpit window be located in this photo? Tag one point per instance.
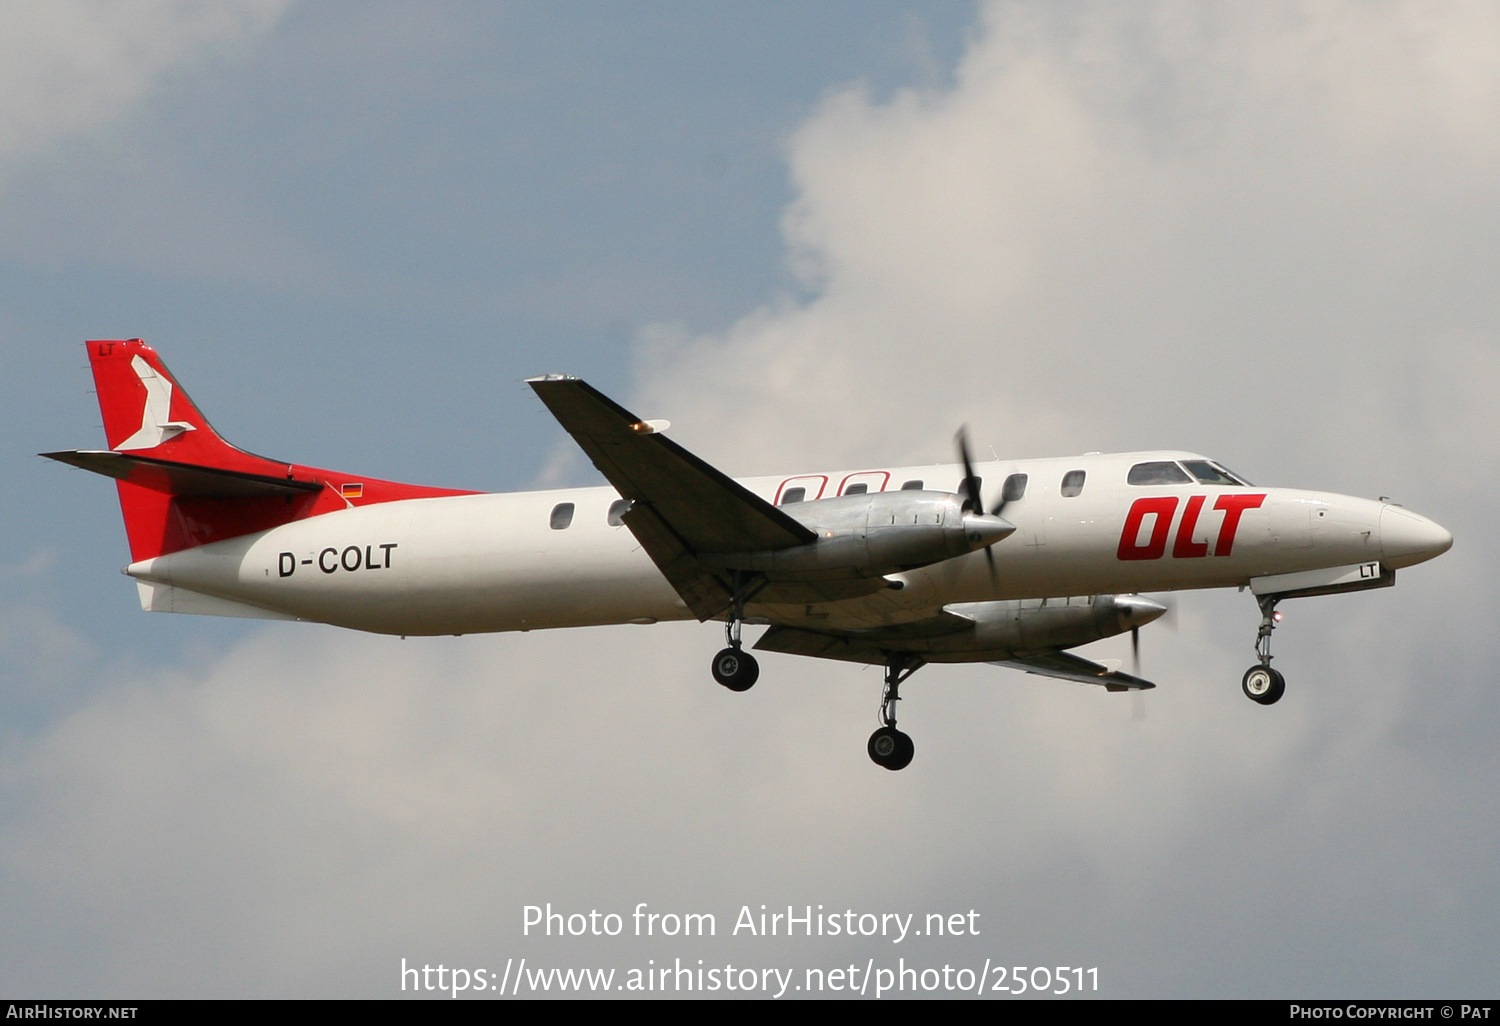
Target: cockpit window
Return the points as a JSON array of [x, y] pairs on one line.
[[1212, 473], [792, 495], [1164, 472], [1072, 483]]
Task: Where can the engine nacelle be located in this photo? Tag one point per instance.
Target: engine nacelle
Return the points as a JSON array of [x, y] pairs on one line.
[[1018, 627], [873, 535]]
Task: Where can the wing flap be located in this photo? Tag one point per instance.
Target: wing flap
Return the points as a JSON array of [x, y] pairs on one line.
[[705, 594]]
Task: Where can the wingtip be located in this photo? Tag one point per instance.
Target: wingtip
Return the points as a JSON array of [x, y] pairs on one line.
[[552, 377]]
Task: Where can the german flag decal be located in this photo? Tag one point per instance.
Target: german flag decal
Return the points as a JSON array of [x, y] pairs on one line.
[[353, 490]]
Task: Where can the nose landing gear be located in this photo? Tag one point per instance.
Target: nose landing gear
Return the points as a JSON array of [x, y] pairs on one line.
[[890, 748], [1261, 683]]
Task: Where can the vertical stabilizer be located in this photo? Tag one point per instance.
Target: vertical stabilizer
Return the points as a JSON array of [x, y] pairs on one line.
[[145, 411], [181, 485]]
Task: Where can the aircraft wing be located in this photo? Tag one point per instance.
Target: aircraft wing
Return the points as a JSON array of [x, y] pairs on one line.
[[1067, 666], [681, 505], [862, 645], [871, 646]]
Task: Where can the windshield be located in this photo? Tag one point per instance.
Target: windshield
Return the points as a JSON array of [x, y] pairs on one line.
[[1208, 472]]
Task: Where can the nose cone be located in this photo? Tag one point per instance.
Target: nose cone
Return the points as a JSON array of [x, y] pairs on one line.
[[984, 529], [1407, 538], [1137, 610]]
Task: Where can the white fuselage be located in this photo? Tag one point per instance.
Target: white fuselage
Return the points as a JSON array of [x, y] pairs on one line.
[[478, 563]]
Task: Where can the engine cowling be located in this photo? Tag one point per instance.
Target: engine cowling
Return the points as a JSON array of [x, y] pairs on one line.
[[1017, 627], [873, 535]]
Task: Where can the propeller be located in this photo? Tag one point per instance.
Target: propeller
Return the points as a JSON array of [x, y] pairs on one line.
[[1137, 698], [1166, 611], [969, 489]]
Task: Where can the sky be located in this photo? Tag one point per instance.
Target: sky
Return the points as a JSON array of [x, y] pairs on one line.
[[810, 235]]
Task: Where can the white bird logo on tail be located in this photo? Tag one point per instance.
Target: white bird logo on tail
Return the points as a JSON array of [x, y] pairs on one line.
[[156, 428]]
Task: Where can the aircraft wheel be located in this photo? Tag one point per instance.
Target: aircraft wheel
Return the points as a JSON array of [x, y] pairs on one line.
[[1263, 684], [737, 670], [891, 748]]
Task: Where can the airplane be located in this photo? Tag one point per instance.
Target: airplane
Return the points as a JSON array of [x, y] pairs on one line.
[[1007, 562]]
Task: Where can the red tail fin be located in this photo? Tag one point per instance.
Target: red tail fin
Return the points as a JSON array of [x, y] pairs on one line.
[[181, 485], [146, 412]]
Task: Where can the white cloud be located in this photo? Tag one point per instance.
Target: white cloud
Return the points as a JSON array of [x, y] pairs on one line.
[[1125, 227]]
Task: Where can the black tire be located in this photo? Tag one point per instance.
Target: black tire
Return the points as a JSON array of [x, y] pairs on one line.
[[736, 669], [905, 752], [1278, 688], [890, 748], [1263, 685]]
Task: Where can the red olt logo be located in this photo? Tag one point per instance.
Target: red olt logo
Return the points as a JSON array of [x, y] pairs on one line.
[[1163, 507]]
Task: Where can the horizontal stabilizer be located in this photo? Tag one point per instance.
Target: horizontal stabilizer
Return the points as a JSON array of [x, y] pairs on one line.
[[182, 479]]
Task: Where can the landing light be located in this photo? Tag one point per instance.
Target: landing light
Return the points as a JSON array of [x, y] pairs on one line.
[[1276, 616]]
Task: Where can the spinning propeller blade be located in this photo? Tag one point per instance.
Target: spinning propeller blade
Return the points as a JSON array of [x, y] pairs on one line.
[[969, 489]]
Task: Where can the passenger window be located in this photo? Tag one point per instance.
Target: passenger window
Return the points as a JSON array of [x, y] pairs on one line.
[[857, 488], [1162, 472], [562, 516], [1072, 483], [617, 511], [792, 495], [912, 486], [1014, 488]]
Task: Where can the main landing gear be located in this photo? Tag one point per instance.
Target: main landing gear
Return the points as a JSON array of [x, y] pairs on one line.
[[733, 667], [889, 747], [1263, 684], [737, 670]]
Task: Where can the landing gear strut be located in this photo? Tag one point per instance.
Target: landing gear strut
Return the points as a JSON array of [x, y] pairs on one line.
[[733, 667], [888, 746], [1261, 683]]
